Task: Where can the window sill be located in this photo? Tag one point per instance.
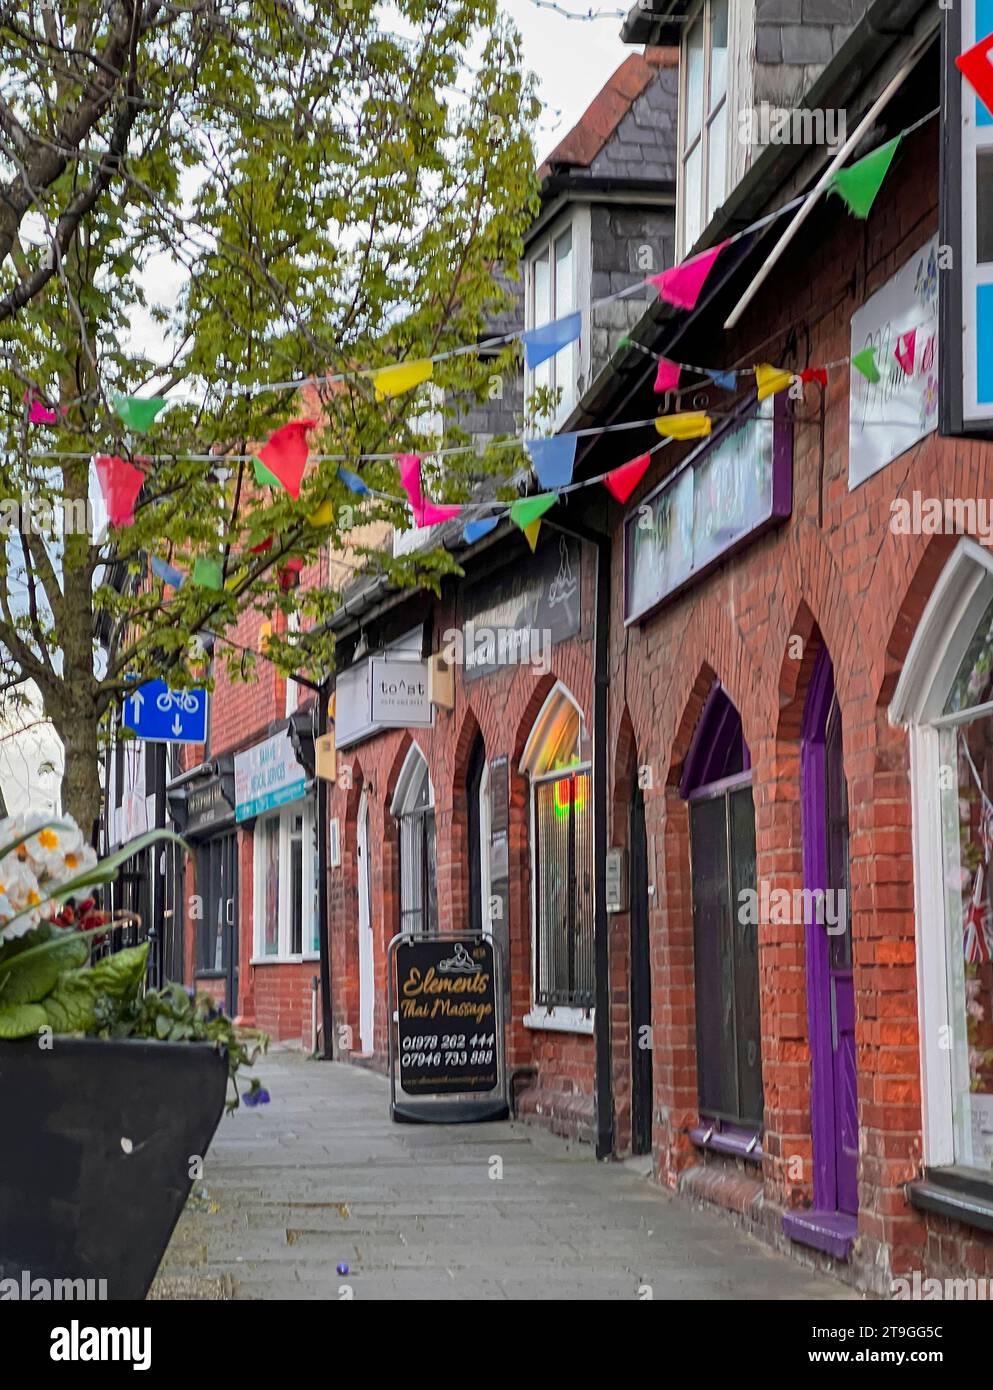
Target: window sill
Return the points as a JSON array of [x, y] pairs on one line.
[[739, 1145], [560, 1020], [961, 1194], [284, 960]]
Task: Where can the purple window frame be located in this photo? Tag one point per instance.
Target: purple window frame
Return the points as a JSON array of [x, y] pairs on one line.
[[781, 502]]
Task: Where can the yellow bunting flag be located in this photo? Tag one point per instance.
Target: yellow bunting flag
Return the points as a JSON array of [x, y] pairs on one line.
[[769, 380], [532, 533], [689, 425], [393, 381], [324, 516]]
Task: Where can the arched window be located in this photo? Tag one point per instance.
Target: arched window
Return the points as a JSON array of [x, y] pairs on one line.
[[556, 761], [413, 807], [945, 697], [717, 782], [478, 806]]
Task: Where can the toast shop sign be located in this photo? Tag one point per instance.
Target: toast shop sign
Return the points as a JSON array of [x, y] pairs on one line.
[[399, 692]]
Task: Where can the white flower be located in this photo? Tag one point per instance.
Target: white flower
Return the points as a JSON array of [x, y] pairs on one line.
[[19, 892], [51, 850], [77, 860]]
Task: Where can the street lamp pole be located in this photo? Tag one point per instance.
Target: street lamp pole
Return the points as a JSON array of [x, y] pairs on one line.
[[322, 690]]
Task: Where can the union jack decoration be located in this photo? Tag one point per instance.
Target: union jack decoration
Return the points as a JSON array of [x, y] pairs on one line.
[[978, 933]]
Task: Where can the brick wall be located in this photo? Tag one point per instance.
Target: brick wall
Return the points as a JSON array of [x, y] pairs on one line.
[[835, 575], [502, 708]]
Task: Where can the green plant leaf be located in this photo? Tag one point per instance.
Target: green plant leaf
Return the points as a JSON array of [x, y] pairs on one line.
[[72, 1007], [22, 1020], [25, 978]]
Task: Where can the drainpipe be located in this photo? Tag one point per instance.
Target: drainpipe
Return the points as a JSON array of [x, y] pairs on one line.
[[601, 922], [322, 690]]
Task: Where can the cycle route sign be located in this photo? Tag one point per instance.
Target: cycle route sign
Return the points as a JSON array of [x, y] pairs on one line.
[[160, 715]]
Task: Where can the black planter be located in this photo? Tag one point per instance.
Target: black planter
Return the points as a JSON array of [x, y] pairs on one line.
[[74, 1202]]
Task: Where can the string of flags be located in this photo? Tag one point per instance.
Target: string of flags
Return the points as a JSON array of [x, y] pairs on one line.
[[858, 185]]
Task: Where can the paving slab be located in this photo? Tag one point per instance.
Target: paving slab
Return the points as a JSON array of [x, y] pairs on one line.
[[321, 1177]]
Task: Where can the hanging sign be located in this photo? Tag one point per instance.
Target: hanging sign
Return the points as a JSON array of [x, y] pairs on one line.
[[267, 776], [446, 1016], [159, 715], [400, 692], [888, 416]]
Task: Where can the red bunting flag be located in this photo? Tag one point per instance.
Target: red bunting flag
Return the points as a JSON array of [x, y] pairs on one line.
[[621, 482], [813, 374], [667, 377], [905, 351], [285, 454], [681, 284], [288, 574], [262, 547], [974, 65], [120, 483]]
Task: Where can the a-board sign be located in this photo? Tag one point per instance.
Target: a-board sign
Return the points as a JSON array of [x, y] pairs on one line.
[[446, 1016]]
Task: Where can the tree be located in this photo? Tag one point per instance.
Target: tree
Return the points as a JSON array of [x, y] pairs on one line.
[[324, 194]]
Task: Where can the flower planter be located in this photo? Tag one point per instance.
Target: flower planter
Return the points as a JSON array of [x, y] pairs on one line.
[[98, 1139]]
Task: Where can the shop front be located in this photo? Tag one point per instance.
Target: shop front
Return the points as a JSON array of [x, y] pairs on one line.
[[275, 811]]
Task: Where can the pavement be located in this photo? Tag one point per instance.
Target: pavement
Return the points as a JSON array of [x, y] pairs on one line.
[[322, 1178]]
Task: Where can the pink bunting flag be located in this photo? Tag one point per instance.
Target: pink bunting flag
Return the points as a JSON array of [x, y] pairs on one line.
[[285, 454], [681, 284], [667, 377], [905, 351], [40, 414], [120, 483], [426, 513]]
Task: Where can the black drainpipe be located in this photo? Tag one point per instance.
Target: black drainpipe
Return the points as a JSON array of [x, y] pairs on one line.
[[601, 925]]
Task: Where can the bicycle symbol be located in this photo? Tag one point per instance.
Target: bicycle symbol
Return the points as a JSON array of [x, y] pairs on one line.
[[186, 701]]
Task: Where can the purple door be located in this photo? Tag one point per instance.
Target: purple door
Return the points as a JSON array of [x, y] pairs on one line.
[[830, 992]]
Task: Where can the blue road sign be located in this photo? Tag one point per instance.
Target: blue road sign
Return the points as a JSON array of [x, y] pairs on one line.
[[160, 715]]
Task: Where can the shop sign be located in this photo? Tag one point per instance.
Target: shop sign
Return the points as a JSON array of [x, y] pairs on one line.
[[206, 806], [542, 595], [400, 694], [267, 776], [890, 417], [446, 1016], [722, 497]]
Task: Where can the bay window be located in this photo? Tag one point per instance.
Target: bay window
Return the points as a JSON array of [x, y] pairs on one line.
[[286, 885], [557, 277], [703, 120]]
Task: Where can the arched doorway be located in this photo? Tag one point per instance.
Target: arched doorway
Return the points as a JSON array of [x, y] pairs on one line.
[[827, 925], [717, 783], [367, 983], [478, 815], [413, 807], [641, 978]]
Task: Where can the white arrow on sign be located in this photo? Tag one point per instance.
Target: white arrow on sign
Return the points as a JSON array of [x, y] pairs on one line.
[[137, 700], [177, 726]]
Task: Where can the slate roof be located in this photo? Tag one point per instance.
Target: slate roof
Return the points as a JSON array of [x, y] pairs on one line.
[[628, 131]]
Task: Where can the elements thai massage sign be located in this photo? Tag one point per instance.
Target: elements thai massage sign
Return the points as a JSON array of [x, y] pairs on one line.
[[447, 1021]]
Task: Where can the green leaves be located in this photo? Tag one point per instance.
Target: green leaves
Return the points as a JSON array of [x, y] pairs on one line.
[[27, 976], [22, 1021], [82, 998]]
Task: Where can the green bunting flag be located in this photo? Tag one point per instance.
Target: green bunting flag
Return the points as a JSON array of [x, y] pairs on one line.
[[139, 412], [208, 573], [858, 185], [528, 509], [865, 362], [263, 476]]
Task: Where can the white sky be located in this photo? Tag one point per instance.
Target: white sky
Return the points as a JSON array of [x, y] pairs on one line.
[[572, 58]]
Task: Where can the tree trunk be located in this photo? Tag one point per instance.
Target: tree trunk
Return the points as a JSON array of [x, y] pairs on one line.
[[81, 789]]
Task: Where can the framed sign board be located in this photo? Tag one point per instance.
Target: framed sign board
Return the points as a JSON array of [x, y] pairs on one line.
[[447, 1037]]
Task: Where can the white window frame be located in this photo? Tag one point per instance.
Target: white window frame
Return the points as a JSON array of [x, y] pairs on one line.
[[560, 1018], [578, 219], [285, 816], [705, 11], [942, 636]]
